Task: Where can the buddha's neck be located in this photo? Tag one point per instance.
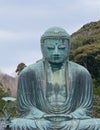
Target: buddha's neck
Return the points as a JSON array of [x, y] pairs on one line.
[[56, 66]]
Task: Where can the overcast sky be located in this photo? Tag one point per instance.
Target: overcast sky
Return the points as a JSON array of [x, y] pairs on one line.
[[22, 22]]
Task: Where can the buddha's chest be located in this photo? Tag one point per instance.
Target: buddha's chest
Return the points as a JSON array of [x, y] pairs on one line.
[[56, 87]]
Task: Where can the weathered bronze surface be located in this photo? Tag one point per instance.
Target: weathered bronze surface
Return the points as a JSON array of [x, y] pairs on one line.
[[55, 93]]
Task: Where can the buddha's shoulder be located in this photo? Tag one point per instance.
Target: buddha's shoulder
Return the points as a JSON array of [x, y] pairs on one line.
[[32, 68], [77, 67]]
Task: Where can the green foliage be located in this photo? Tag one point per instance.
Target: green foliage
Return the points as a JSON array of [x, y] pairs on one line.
[[97, 91], [96, 83], [88, 56], [96, 112], [85, 50], [88, 34], [11, 105], [96, 103], [78, 42], [2, 94]]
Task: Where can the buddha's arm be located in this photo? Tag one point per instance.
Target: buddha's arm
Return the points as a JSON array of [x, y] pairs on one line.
[[84, 104], [26, 98]]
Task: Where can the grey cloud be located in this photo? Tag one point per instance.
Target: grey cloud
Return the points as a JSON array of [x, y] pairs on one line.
[[37, 15], [23, 22]]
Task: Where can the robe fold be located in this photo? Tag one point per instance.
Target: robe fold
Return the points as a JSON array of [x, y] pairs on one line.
[[33, 104]]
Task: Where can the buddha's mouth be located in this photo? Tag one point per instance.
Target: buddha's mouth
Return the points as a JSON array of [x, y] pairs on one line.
[[56, 57]]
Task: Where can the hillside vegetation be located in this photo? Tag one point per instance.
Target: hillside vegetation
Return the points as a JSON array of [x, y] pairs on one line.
[[85, 50], [9, 84], [8, 87], [88, 34]]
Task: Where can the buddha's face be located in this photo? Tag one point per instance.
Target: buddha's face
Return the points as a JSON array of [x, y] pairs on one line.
[[55, 50]]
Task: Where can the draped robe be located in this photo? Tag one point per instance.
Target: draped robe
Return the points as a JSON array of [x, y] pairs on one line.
[[33, 104]]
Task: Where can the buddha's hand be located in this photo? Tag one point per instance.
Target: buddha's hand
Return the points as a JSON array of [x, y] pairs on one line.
[[57, 117], [68, 117], [65, 117], [46, 116]]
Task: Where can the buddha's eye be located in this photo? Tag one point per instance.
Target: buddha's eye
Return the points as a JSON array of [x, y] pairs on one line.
[[62, 47], [50, 47]]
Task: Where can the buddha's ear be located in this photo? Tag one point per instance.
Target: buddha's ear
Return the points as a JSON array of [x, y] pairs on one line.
[[69, 46], [42, 46], [43, 50], [68, 43]]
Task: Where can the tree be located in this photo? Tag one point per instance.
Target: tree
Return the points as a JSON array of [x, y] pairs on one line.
[[89, 57], [20, 67], [2, 94]]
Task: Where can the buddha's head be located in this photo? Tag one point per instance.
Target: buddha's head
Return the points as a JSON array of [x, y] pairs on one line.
[[55, 45]]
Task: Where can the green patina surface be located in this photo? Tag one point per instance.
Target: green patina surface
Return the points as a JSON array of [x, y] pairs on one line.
[[55, 93]]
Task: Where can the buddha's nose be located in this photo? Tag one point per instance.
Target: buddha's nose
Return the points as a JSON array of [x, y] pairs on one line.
[[56, 51]]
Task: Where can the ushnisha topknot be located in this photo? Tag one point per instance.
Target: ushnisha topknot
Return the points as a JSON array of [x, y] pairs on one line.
[[55, 32]]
